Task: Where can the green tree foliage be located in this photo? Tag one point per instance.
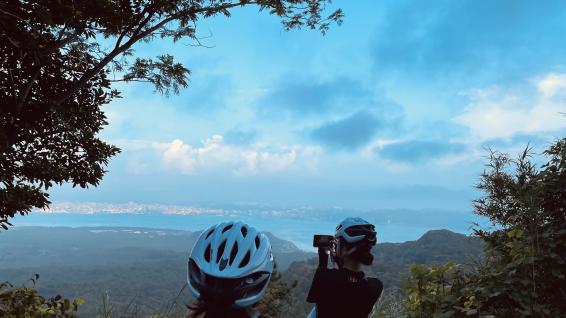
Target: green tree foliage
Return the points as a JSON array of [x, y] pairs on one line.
[[58, 60], [523, 273], [391, 304], [42, 143], [278, 300], [25, 302], [432, 290]]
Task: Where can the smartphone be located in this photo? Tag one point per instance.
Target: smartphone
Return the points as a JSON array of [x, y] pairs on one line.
[[320, 240]]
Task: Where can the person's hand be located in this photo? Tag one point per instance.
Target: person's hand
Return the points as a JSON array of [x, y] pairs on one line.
[[323, 250], [332, 249]]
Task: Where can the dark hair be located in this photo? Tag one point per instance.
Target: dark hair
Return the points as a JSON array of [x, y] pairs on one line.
[[200, 309], [362, 253]]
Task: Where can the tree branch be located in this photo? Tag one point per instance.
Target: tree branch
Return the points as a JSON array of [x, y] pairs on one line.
[[130, 80], [199, 43], [136, 36], [27, 89], [15, 96], [142, 24], [12, 15], [60, 43], [126, 30], [14, 43], [122, 35]]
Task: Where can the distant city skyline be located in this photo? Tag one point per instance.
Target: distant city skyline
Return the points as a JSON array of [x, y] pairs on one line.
[[393, 109], [203, 209]]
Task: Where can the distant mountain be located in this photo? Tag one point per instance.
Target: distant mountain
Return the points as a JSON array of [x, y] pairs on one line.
[[434, 247], [92, 246], [286, 252], [392, 261], [148, 265]]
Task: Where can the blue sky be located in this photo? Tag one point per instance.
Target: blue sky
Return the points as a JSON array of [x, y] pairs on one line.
[[393, 109]]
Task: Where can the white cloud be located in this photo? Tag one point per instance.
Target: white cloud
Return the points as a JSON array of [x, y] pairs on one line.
[[259, 160], [376, 145], [495, 113], [180, 156], [215, 155], [552, 84]]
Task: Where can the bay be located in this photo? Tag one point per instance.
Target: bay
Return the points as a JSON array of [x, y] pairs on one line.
[[298, 230]]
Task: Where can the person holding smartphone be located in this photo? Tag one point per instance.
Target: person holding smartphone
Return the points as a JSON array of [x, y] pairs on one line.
[[345, 291]]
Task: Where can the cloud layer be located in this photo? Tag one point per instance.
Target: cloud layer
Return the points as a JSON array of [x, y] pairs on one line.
[[416, 151], [404, 93], [297, 96], [214, 155], [498, 113], [472, 40], [351, 132]]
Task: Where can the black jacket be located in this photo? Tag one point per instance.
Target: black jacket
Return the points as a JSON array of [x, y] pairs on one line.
[[343, 293]]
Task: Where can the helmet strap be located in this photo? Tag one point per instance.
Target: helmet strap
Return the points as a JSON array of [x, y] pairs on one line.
[[340, 255], [341, 242], [351, 251]]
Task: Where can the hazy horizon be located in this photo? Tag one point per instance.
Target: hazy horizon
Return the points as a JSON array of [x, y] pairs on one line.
[[296, 224]]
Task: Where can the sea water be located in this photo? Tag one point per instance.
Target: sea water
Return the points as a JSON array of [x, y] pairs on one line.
[[295, 229]]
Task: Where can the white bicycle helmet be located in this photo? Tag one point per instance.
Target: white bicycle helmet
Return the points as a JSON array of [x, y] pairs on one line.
[[356, 230], [231, 265]]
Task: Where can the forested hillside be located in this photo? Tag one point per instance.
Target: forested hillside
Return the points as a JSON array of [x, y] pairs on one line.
[[144, 267]]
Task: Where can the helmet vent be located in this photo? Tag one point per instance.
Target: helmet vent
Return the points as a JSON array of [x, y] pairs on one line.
[[209, 233], [245, 260], [229, 226], [207, 253], [220, 251], [234, 252], [257, 241], [244, 231]]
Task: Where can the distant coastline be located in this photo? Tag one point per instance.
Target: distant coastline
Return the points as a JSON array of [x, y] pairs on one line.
[[297, 227]]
